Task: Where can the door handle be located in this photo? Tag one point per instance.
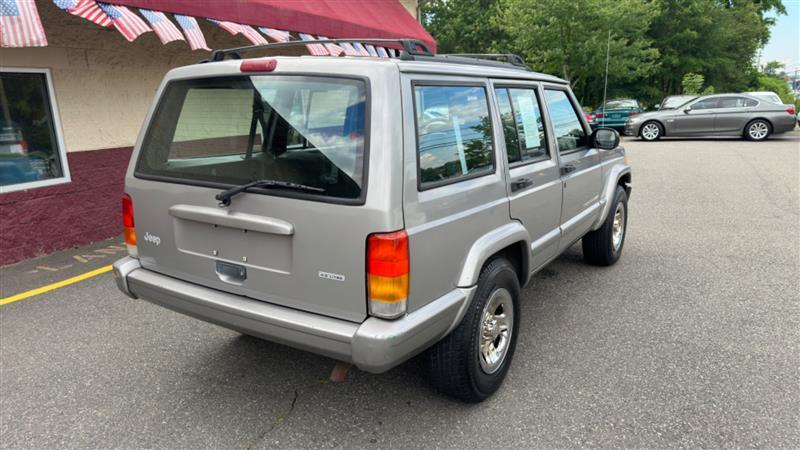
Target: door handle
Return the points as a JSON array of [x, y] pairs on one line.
[[520, 183], [567, 169]]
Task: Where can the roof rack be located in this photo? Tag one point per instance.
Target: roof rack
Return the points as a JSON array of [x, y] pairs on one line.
[[508, 58], [411, 47]]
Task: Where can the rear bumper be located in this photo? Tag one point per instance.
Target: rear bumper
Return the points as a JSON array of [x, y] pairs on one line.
[[784, 125], [375, 345]]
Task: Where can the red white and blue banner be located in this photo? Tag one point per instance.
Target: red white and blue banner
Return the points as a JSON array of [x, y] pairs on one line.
[[192, 32], [86, 9], [234, 28], [125, 21], [165, 30], [20, 25]]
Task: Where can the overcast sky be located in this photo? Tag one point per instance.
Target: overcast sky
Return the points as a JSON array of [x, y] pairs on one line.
[[784, 43]]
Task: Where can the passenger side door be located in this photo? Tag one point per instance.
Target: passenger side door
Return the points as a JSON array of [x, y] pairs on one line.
[[579, 165], [732, 113], [699, 119], [534, 185]]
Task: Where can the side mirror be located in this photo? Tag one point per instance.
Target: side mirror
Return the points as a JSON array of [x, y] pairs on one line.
[[687, 110], [605, 138]]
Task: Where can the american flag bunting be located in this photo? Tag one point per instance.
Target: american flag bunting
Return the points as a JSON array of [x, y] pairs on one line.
[[348, 49], [86, 9], [20, 25], [314, 49], [165, 30], [333, 49], [360, 49], [194, 36], [371, 50], [276, 35], [234, 28], [382, 52], [125, 21]]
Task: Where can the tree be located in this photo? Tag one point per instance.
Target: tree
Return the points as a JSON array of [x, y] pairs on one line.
[[570, 37], [773, 68], [463, 26]]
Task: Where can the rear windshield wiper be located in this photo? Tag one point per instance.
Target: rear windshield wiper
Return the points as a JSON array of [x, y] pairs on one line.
[[225, 196]]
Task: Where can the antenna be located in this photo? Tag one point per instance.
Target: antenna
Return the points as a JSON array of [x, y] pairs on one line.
[[605, 85]]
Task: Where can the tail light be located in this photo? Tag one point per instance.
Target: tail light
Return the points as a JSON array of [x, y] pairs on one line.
[[599, 115], [790, 110], [24, 145], [387, 274], [633, 114], [127, 225]]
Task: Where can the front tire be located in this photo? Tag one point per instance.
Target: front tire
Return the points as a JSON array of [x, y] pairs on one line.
[[757, 130], [651, 131], [603, 246], [471, 363]]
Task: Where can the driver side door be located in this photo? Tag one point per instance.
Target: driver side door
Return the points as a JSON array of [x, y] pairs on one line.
[[699, 119]]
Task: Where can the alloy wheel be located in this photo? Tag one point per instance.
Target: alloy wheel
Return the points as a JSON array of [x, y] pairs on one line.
[[758, 130], [650, 131], [497, 325]]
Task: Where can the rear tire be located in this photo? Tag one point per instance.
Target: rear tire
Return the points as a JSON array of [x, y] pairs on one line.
[[603, 246], [651, 131], [757, 130], [471, 362]]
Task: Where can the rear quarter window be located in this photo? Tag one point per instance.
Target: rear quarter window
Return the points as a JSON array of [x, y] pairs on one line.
[[454, 134]]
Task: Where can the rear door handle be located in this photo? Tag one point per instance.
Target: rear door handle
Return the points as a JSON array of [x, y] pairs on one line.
[[520, 183], [567, 169]]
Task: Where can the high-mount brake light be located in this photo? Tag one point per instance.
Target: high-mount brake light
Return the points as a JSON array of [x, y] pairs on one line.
[[387, 274], [127, 226], [258, 65]]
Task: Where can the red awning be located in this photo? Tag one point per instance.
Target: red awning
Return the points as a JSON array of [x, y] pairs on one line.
[[374, 19]]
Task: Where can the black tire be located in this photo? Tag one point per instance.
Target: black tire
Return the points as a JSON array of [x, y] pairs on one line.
[[763, 127], [454, 364], [649, 137], [599, 248]]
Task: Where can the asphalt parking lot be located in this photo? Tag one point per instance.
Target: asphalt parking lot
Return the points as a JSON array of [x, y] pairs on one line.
[[692, 339]]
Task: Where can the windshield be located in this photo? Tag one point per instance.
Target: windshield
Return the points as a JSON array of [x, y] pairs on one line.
[[621, 104], [675, 102], [234, 130]]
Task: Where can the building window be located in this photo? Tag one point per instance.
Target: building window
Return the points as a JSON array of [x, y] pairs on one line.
[[32, 152]]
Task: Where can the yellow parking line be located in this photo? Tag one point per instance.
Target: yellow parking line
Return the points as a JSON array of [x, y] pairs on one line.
[[56, 285]]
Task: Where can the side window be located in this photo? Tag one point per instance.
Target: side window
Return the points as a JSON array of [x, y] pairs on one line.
[[710, 103], [749, 102], [522, 124], [732, 102], [567, 127], [454, 133]]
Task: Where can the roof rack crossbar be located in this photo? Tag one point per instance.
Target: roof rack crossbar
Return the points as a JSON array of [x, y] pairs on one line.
[[510, 58], [411, 47]]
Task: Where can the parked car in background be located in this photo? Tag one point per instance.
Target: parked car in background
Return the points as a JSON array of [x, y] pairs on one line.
[[674, 101], [767, 96], [591, 119], [715, 115], [615, 113]]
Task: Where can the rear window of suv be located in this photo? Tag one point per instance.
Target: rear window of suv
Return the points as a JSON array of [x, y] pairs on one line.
[[233, 130]]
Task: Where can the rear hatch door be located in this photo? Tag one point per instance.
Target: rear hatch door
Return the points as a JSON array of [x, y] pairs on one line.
[[300, 246]]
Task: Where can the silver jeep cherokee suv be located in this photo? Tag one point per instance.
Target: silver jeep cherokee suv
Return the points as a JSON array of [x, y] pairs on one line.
[[368, 209]]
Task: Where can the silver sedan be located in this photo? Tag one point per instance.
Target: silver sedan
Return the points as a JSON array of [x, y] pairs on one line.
[[715, 115]]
